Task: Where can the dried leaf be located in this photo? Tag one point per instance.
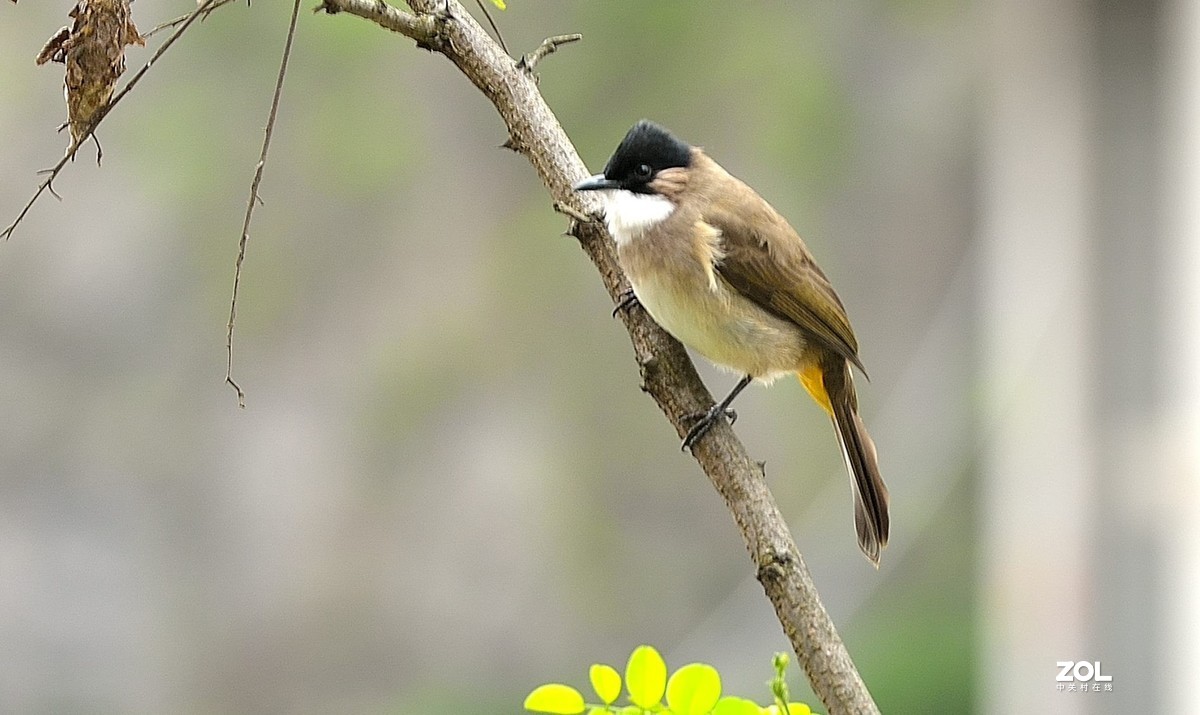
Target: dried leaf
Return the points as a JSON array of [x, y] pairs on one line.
[[53, 49], [93, 50]]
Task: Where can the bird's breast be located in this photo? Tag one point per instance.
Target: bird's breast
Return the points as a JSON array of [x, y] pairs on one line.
[[677, 284]]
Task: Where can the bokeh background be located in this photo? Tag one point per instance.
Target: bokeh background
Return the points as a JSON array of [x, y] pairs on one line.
[[446, 487]]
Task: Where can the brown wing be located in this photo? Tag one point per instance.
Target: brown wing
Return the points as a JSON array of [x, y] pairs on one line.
[[766, 261]]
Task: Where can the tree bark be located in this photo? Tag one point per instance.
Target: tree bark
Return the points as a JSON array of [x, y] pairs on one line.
[[667, 373]]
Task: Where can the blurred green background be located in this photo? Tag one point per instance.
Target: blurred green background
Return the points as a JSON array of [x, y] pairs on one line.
[[446, 487]]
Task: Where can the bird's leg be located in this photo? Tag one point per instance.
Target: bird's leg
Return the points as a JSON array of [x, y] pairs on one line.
[[628, 300], [706, 420]]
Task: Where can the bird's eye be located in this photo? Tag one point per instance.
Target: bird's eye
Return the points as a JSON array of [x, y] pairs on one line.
[[643, 171]]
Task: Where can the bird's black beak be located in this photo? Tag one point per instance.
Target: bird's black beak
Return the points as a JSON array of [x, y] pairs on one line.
[[595, 183]]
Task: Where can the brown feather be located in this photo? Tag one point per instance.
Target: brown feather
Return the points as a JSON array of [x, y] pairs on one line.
[[767, 261], [871, 520]]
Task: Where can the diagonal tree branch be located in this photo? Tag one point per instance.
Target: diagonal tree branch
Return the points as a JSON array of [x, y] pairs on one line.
[[667, 373]]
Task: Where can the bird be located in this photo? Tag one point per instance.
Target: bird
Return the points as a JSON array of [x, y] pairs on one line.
[[723, 272]]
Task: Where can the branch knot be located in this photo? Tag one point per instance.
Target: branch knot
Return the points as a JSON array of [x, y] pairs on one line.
[[773, 565]]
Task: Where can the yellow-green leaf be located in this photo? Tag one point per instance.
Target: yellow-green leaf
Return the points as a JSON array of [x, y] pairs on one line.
[[556, 699], [606, 681], [737, 706], [500, 4], [694, 689], [646, 677], [793, 709]]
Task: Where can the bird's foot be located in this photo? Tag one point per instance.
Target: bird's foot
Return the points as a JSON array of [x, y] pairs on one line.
[[705, 422], [628, 300]]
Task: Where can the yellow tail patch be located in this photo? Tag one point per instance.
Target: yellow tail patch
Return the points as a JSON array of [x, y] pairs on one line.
[[814, 382]]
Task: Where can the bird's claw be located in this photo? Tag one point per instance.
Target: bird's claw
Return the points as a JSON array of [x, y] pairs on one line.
[[628, 300], [705, 422]]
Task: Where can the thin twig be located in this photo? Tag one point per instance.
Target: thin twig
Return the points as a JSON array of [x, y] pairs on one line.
[[566, 209], [549, 45], [495, 30], [53, 172], [255, 199], [172, 23]]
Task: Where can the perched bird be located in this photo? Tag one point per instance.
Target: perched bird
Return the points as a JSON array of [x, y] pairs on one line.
[[717, 267]]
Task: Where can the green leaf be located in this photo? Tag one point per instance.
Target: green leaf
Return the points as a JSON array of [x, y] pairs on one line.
[[599, 711], [694, 689], [737, 706], [500, 4], [606, 681], [646, 677], [556, 699]]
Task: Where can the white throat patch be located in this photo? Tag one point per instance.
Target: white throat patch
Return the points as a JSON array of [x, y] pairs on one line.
[[629, 215]]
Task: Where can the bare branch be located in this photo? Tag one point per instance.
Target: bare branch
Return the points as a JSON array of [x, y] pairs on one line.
[[549, 45], [252, 201], [667, 373], [421, 27], [204, 7]]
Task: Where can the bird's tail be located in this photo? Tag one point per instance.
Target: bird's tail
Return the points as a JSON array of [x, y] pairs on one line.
[[832, 387]]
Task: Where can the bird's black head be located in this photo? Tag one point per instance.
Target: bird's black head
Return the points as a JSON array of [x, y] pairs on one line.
[[646, 150]]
